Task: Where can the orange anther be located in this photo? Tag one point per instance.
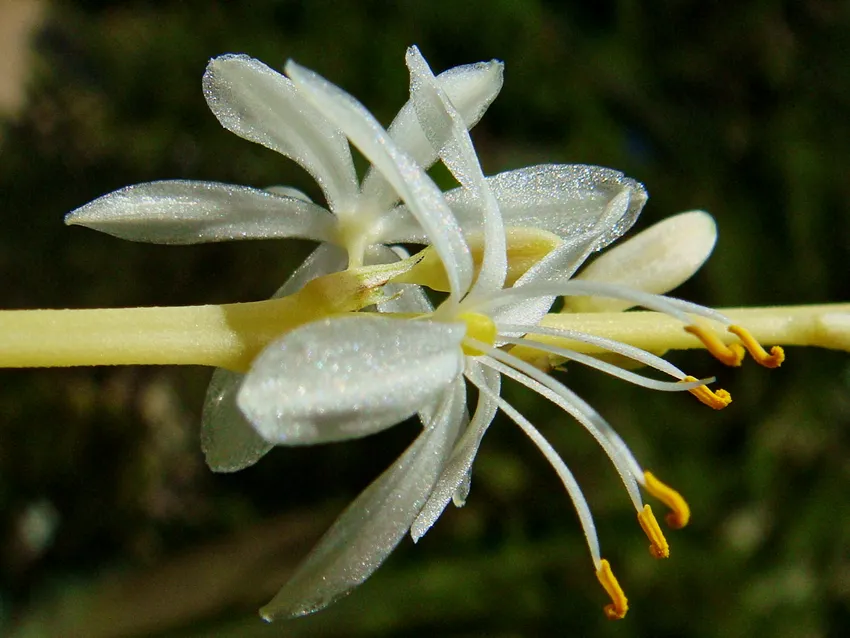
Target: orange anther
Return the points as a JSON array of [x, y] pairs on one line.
[[681, 511], [718, 399], [619, 603], [730, 355], [658, 544], [772, 360]]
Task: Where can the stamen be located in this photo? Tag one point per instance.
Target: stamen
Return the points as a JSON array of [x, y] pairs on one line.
[[480, 328], [658, 544], [772, 360], [730, 355], [619, 603], [714, 399], [681, 511]]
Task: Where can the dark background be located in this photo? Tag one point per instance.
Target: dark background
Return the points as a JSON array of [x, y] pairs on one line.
[[110, 523]]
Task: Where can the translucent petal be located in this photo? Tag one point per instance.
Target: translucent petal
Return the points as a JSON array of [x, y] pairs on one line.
[[471, 88], [423, 198], [560, 264], [446, 131], [374, 524], [228, 440], [261, 105], [565, 199], [186, 212], [456, 474], [655, 260], [348, 377]]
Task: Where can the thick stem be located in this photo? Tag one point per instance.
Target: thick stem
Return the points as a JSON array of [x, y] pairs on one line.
[[231, 335], [227, 336], [824, 326]]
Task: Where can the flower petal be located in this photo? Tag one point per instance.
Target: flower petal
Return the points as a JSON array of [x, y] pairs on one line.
[[347, 377], [655, 260], [446, 131], [423, 198], [374, 524], [186, 212], [261, 105], [228, 440], [454, 480], [565, 199], [471, 88], [560, 264]]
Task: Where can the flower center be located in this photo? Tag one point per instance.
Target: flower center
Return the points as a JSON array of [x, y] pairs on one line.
[[479, 327]]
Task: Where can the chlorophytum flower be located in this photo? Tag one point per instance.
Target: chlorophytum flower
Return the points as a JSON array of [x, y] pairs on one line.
[[314, 364], [348, 377]]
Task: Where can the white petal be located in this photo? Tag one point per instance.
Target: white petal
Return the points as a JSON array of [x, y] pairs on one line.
[[560, 264], [447, 132], [471, 88], [421, 195], [565, 199], [456, 474], [186, 212], [349, 376], [228, 441], [373, 525], [261, 105], [656, 260]]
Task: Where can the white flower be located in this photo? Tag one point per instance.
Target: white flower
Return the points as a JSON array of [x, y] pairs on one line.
[[348, 377], [264, 106]]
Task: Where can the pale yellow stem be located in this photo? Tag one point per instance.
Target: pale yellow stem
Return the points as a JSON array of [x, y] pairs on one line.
[[824, 326], [227, 336], [231, 335]]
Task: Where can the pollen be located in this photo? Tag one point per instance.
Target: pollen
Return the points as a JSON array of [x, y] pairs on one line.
[[717, 399], [658, 546], [479, 327], [619, 603], [680, 512], [730, 355], [772, 360]]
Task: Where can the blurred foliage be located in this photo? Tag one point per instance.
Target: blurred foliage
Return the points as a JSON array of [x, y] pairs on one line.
[[111, 524]]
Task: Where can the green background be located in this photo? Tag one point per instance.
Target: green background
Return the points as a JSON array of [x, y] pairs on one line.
[[740, 111]]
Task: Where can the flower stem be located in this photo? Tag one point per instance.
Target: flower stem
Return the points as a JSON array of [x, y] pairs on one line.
[[824, 326], [231, 335], [227, 336]]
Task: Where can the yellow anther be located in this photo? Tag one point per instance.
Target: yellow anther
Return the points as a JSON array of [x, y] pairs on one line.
[[619, 604], [772, 360], [681, 511], [658, 546], [730, 355], [717, 399], [479, 327]]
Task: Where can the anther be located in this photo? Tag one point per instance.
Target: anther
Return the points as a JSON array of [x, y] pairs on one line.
[[730, 355], [658, 546], [772, 360], [680, 510], [619, 604], [717, 399]]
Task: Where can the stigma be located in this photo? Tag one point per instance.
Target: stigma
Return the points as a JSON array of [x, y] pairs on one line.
[[658, 546], [619, 605], [733, 354], [680, 511], [717, 399]]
